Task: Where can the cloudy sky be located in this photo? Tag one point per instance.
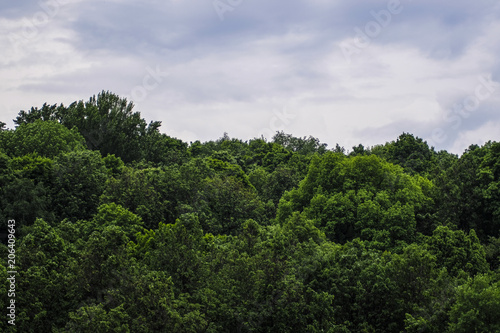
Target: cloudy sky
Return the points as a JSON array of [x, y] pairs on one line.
[[342, 71]]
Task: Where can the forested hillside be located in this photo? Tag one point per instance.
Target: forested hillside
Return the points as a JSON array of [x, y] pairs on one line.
[[120, 228]]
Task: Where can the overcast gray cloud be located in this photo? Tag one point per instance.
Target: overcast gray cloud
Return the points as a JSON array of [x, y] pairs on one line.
[[345, 72]]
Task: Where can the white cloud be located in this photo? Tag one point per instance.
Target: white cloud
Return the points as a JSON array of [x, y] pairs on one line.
[[488, 131], [232, 75]]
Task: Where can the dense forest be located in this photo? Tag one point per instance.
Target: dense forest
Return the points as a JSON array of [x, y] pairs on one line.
[[121, 228]]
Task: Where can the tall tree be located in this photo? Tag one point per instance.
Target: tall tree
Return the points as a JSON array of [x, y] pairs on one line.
[[106, 121]]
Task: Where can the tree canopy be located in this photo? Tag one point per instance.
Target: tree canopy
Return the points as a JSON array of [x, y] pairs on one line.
[[122, 228]]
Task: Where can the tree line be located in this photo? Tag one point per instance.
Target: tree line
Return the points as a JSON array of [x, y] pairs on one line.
[[121, 228]]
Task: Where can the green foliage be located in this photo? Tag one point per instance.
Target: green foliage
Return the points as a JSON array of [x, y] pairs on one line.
[[228, 169], [458, 251], [115, 215], [145, 192], [25, 189], [25, 200], [477, 306], [94, 318], [177, 250], [46, 138], [272, 186], [362, 196], [114, 165], [225, 203], [107, 122], [489, 178], [46, 282], [260, 281], [79, 179], [164, 150], [303, 145], [144, 233], [492, 251], [33, 166], [470, 189], [412, 153]]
